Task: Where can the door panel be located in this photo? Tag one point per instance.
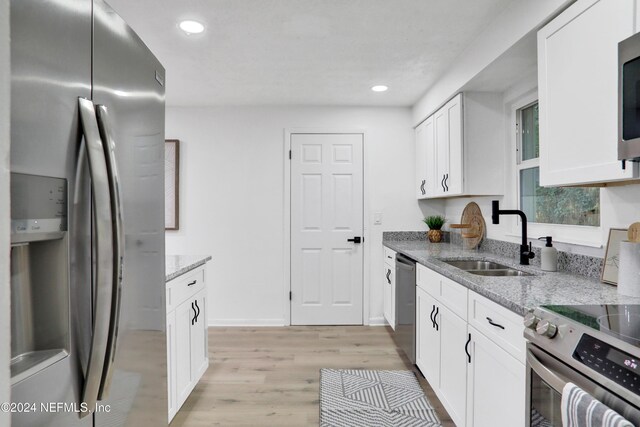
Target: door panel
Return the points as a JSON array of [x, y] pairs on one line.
[[442, 149], [184, 316], [326, 210], [496, 385], [453, 364], [199, 338], [50, 69], [127, 80], [427, 338], [454, 180]]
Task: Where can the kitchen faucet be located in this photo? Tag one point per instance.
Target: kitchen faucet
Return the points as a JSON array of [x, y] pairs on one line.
[[526, 251]]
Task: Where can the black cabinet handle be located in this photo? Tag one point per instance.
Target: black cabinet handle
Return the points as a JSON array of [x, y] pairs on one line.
[[466, 348], [356, 239], [198, 314], [446, 178], [442, 183], [388, 274], [497, 325], [435, 318], [433, 322], [422, 186], [192, 283], [193, 321]]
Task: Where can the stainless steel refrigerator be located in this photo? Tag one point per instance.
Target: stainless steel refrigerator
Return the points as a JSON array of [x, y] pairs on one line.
[[87, 219]]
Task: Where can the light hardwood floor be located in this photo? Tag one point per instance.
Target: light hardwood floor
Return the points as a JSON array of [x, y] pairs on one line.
[[269, 376]]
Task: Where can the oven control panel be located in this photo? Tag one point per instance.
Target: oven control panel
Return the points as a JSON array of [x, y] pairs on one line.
[[618, 366]]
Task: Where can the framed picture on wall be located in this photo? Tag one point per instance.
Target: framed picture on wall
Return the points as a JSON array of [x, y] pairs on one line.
[[171, 184], [612, 256]]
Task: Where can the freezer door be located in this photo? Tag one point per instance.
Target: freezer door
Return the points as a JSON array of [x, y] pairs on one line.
[[50, 69], [128, 81]]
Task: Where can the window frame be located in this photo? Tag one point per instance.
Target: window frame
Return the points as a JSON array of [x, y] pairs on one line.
[[584, 235]]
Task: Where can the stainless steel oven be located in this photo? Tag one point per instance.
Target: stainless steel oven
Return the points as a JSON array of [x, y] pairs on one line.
[[629, 98], [589, 346]]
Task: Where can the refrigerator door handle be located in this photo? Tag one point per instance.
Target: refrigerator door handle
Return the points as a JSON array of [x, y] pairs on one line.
[[103, 249], [109, 146]]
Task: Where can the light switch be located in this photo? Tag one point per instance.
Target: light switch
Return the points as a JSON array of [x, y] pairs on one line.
[[377, 218]]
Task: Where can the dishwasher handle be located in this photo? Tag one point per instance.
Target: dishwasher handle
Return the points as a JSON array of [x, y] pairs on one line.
[[404, 262]]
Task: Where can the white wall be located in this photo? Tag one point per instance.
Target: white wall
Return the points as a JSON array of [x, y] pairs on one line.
[[5, 334], [232, 198], [522, 17]]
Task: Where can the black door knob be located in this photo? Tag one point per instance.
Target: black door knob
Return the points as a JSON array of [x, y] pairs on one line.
[[356, 239]]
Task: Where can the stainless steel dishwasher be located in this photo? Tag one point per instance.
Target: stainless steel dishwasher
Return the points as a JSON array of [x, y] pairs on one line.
[[405, 333]]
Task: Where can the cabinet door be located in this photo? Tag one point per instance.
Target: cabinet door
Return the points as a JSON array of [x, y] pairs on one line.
[[389, 295], [421, 159], [453, 182], [199, 340], [441, 125], [184, 315], [425, 159], [496, 385], [453, 364], [427, 338], [171, 363], [578, 91]]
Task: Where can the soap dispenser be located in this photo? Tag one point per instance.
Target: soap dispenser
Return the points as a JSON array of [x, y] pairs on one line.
[[548, 256]]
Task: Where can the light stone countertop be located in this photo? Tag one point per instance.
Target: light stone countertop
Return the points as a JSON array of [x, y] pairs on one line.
[[518, 294], [177, 265]]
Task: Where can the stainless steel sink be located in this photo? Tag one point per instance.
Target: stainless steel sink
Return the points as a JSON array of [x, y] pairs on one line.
[[471, 264], [486, 268], [510, 272]]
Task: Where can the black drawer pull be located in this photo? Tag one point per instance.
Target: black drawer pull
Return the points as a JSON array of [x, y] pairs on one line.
[[192, 283], [435, 319], [466, 349], [433, 322], [497, 325]]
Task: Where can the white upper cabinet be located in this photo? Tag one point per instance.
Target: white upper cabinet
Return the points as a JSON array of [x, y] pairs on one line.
[[578, 93], [425, 161], [460, 148], [448, 132]]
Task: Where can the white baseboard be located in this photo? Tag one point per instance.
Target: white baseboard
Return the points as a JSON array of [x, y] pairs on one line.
[[377, 321], [246, 322]]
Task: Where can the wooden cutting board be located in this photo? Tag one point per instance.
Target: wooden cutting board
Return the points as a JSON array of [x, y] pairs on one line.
[[633, 234], [474, 234]]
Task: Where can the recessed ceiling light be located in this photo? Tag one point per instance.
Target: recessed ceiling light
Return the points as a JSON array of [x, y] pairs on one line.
[[191, 27], [379, 88]]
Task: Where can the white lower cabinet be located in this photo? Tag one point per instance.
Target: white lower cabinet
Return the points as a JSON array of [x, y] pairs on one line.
[[496, 385], [453, 364], [389, 283], [187, 342], [427, 338], [475, 371]]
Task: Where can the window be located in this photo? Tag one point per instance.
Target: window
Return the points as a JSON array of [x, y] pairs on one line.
[[559, 205]]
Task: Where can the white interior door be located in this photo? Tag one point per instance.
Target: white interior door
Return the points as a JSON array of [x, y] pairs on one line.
[[326, 211]]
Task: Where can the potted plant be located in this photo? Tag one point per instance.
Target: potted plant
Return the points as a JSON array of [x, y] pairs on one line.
[[435, 223]]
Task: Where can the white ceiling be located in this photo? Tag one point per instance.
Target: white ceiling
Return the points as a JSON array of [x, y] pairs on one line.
[[306, 52]]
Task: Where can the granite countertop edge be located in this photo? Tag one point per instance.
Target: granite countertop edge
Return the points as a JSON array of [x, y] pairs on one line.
[[177, 265], [518, 294]]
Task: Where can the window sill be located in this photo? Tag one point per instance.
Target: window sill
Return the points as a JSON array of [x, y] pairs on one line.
[[567, 234]]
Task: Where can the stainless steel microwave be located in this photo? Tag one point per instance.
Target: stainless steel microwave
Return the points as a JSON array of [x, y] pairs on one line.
[[629, 98]]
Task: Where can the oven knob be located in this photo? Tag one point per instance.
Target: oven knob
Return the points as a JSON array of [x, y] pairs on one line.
[[531, 320], [546, 329]]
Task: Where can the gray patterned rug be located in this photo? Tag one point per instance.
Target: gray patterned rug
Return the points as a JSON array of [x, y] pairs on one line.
[[363, 398]]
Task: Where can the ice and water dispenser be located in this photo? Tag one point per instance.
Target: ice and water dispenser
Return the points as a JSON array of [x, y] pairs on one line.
[[39, 273]]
